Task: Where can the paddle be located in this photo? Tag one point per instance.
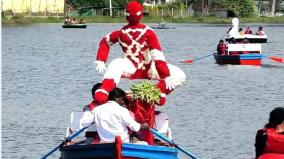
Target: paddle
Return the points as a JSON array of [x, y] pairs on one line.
[[171, 142], [191, 61], [68, 138], [274, 58]]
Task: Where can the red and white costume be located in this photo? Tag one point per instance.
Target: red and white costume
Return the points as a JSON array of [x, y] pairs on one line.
[[143, 57]]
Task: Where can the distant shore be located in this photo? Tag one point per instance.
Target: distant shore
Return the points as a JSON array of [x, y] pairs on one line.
[[21, 20]]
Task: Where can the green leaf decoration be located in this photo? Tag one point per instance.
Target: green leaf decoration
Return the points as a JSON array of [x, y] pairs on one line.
[[146, 91]]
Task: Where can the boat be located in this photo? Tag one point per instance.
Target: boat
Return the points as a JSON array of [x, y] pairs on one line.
[[235, 55], [74, 26], [117, 149], [162, 25], [233, 33]]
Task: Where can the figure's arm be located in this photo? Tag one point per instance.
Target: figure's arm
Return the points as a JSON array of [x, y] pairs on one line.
[[105, 44], [104, 49], [157, 54]]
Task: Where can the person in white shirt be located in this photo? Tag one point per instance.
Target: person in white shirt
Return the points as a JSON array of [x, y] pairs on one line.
[[113, 118]]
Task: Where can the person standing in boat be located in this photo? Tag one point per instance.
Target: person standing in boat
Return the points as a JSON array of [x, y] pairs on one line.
[[269, 141], [221, 48], [143, 57], [260, 31], [114, 119]]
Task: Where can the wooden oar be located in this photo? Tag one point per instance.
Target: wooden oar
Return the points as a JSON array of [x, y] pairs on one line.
[[171, 142], [191, 61], [68, 139], [274, 58]]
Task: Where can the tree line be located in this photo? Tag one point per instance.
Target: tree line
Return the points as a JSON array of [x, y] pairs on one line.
[[240, 8]]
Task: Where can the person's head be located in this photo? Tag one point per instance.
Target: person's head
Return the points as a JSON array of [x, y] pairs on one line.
[[221, 41], [134, 12], [240, 29], [276, 118], [95, 88], [119, 96], [259, 28], [248, 28]]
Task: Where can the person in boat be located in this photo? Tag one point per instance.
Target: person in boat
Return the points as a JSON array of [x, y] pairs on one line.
[[260, 31], [74, 21], [269, 141], [93, 104], [67, 20], [114, 119], [241, 32], [82, 21], [248, 31], [143, 57], [221, 48]]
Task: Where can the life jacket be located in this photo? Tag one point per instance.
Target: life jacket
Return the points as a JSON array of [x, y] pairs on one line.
[[275, 142]]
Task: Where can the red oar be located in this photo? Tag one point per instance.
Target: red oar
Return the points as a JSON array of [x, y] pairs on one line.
[[274, 58], [191, 61]]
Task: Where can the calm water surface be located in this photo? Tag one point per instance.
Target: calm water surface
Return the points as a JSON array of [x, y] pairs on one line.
[[47, 73]]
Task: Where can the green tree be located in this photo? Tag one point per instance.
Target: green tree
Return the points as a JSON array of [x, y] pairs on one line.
[[242, 8]]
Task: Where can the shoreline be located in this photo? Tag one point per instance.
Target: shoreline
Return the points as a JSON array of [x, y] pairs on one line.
[[25, 20]]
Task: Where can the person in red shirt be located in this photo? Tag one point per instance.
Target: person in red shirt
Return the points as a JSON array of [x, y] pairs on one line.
[[221, 48], [269, 141], [142, 57], [248, 31]]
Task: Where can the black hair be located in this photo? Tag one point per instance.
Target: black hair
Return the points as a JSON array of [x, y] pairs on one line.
[[116, 93], [221, 41], [276, 117], [95, 88]]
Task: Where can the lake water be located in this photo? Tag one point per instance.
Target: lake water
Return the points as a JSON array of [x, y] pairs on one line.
[[48, 71]]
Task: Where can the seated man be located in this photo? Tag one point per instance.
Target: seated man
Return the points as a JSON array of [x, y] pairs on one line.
[[113, 118]]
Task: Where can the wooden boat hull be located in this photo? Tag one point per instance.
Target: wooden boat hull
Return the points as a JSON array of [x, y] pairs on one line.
[[117, 151], [74, 26], [241, 59]]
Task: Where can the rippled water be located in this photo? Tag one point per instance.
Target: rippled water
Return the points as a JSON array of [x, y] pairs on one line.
[[47, 72]]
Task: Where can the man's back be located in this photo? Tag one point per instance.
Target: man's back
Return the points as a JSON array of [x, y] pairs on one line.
[[112, 120]]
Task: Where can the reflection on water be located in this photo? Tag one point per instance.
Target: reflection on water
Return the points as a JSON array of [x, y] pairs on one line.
[[48, 71]]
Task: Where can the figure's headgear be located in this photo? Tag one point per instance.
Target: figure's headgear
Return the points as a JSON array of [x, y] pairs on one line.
[[134, 12]]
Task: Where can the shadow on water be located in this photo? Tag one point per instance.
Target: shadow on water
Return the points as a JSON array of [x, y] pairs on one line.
[[272, 66]]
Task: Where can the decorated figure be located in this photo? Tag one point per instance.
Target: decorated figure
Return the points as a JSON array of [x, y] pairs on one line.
[[143, 57]]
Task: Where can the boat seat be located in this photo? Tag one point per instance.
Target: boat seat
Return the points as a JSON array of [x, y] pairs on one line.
[[161, 124]]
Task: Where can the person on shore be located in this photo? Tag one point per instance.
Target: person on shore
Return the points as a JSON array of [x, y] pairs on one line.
[[269, 141], [114, 119], [221, 48], [260, 31], [248, 31], [143, 57]]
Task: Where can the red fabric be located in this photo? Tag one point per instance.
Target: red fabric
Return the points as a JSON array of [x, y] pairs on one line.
[[104, 47], [248, 31], [92, 105], [107, 85], [162, 69], [144, 113], [133, 8], [275, 142], [272, 156]]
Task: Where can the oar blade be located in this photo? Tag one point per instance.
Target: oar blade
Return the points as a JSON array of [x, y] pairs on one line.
[[187, 61], [277, 59]]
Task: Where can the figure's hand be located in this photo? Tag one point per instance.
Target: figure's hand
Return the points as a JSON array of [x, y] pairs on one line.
[[100, 66], [170, 85]]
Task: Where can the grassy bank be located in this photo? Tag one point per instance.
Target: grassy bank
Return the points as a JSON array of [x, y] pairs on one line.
[[25, 20]]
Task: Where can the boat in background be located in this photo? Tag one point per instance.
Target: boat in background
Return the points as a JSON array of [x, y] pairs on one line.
[[240, 54], [74, 26], [162, 25]]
